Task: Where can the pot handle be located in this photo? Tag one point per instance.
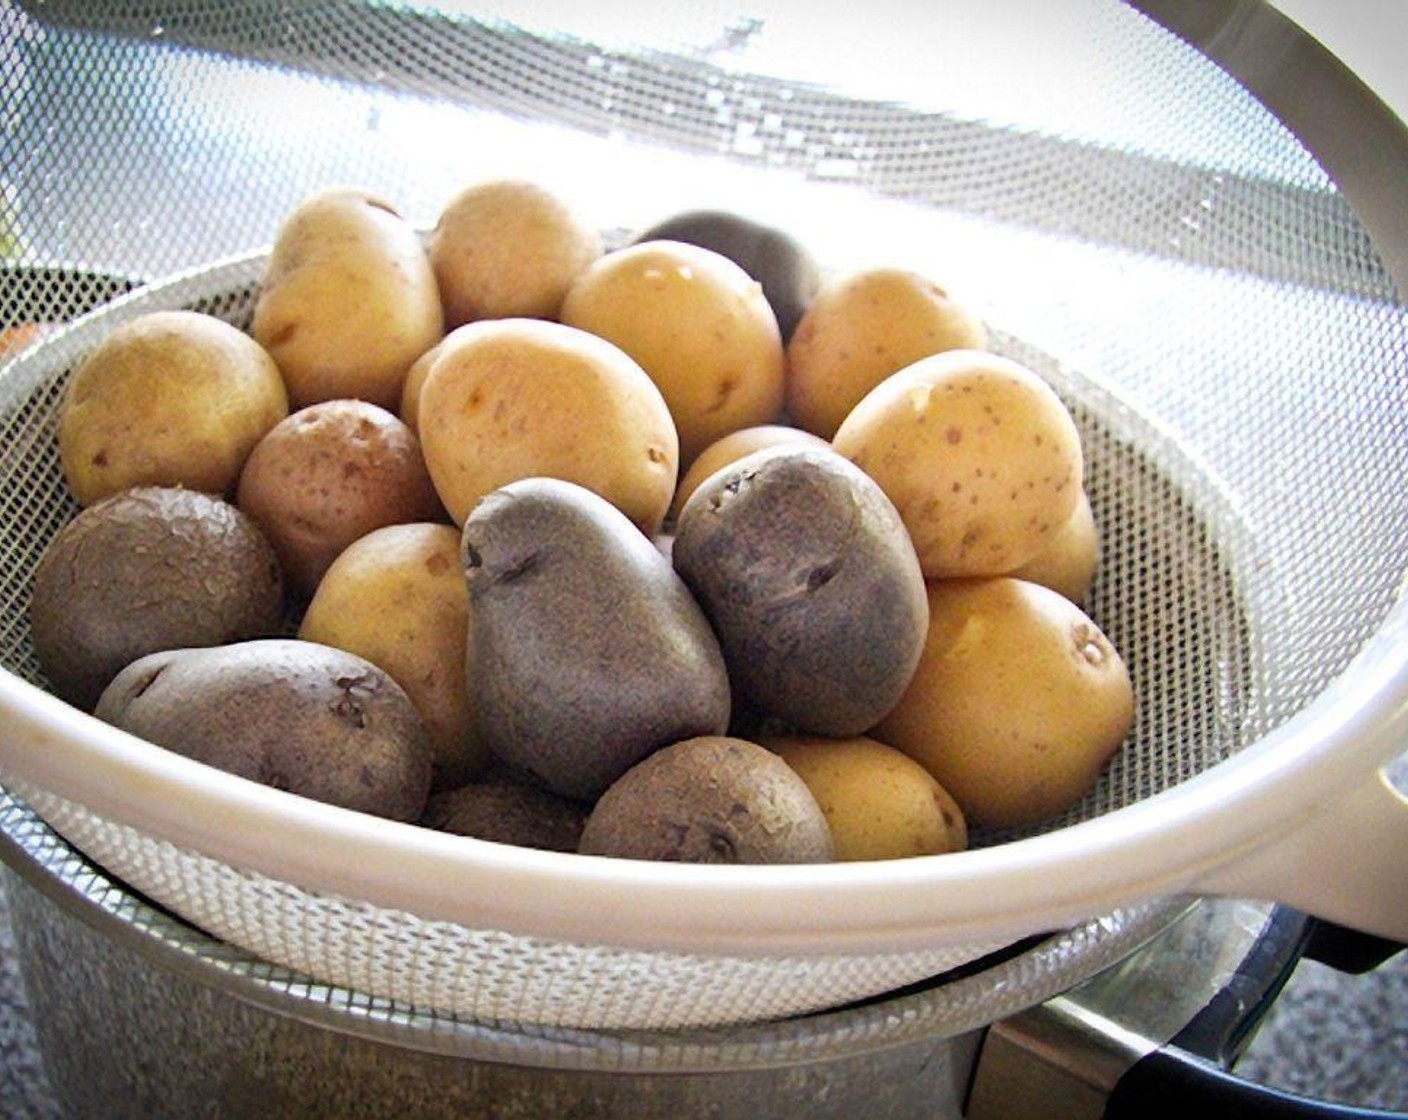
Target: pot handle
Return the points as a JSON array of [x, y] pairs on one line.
[[1069, 1058], [1346, 864], [1170, 1082], [1189, 1076]]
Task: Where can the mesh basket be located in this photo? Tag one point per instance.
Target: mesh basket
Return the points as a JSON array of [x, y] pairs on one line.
[[1130, 221]]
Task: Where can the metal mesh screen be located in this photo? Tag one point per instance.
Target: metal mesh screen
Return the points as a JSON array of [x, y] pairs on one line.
[[1134, 225]]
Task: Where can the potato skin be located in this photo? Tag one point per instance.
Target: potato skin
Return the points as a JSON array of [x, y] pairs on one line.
[[348, 300], [509, 399], [148, 569], [329, 474], [698, 324], [508, 248], [295, 715], [709, 799], [811, 583], [508, 809], [1018, 703], [778, 261], [862, 327], [170, 398], [728, 449], [586, 651], [397, 597], [1070, 558], [409, 408], [879, 802], [978, 454], [18, 336]]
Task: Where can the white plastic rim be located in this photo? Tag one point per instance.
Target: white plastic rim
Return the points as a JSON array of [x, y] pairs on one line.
[[1220, 830]]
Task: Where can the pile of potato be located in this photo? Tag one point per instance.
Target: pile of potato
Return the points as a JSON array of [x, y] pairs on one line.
[[673, 550]]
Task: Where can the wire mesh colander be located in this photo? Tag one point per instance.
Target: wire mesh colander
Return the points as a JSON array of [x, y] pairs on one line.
[[1156, 244]]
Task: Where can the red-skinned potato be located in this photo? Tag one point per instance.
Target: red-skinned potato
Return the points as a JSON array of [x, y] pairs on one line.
[[329, 474]]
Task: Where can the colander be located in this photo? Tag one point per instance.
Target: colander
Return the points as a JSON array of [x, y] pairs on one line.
[[1159, 245]]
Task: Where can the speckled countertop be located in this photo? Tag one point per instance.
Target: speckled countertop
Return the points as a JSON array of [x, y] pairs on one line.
[[1338, 1038]]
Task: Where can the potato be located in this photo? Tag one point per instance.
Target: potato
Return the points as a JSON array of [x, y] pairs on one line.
[[20, 336], [1017, 704], [329, 474], [811, 583], [295, 715], [862, 327], [409, 408], [509, 399], [397, 597], [508, 809], [879, 802], [348, 300], [149, 569], [699, 326], [710, 799], [1068, 561], [169, 398], [773, 257], [728, 449], [979, 455], [586, 652], [507, 249]]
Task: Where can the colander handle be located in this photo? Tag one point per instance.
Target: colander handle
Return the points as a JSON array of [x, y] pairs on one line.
[[1345, 864]]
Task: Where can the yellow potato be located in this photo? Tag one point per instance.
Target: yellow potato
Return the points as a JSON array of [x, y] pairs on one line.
[[409, 410], [978, 454], [879, 802], [1018, 703], [397, 597], [507, 249], [328, 474], [1069, 560], [700, 327], [171, 398], [348, 300], [732, 447], [861, 328], [516, 398]]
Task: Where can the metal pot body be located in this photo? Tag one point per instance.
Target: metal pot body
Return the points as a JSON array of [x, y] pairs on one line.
[[126, 1034]]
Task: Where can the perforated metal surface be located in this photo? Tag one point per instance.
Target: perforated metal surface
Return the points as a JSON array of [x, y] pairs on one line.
[[1135, 226]]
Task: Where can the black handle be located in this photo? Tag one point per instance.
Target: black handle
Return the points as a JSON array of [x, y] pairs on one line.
[[1188, 1077], [1171, 1082], [1348, 950]]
